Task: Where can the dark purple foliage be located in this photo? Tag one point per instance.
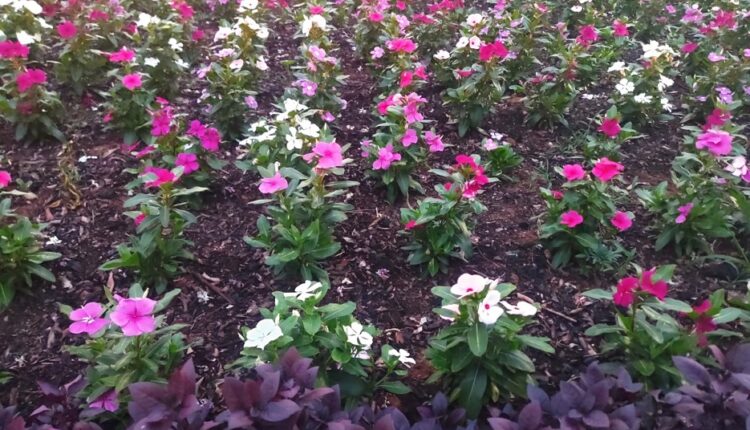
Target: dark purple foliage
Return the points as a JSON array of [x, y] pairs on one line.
[[718, 395], [61, 408], [594, 401], [9, 420], [168, 406]]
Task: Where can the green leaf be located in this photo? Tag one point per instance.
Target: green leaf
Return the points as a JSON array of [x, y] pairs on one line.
[[477, 339], [395, 387], [334, 311], [540, 343], [600, 329], [671, 304], [311, 323], [728, 315], [471, 390], [598, 294]]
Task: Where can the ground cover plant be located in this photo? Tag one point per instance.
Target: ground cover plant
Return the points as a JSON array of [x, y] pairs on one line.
[[374, 214]]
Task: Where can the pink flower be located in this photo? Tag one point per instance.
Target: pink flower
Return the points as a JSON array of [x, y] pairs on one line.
[[434, 141], [273, 184], [407, 76], [689, 47], [715, 58], [5, 178], [571, 219], [411, 225], [624, 294], [124, 55], [621, 221], [386, 156], [385, 104], [403, 46], [132, 81], [67, 30], [327, 116], [716, 118], [684, 211], [188, 162], [702, 308], [10, 50], [587, 35], [605, 169], [409, 138], [251, 102], [134, 316], [411, 110], [670, 9], [717, 142], [377, 52], [163, 176], [375, 16], [107, 401], [138, 220], [610, 127], [316, 10], [658, 289], [493, 50], [198, 35], [309, 88], [328, 155], [87, 319], [573, 172], [211, 139], [619, 29], [29, 78], [161, 122]]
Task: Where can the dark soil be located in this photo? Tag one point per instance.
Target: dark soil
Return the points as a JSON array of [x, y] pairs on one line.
[[370, 270]]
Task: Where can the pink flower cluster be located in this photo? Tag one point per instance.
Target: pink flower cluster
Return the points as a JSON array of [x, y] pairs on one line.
[[627, 287], [209, 137], [327, 154], [10, 50], [133, 315], [29, 78]]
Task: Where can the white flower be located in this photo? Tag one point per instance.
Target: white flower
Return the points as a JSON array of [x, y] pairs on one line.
[[665, 104], [261, 64], [202, 296], [654, 50], [625, 87], [53, 240], [222, 33], [442, 55], [488, 310], [264, 333], [308, 128], [738, 166], [175, 45], [263, 32], [467, 285], [236, 64], [151, 61], [306, 290], [357, 336], [181, 63], [292, 105], [474, 19], [462, 42], [313, 21], [475, 42], [248, 5], [576, 8], [25, 38], [522, 308], [144, 20], [403, 356], [617, 66], [292, 141], [664, 83], [643, 98]]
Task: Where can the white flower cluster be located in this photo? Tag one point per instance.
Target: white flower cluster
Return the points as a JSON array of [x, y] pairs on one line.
[[491, 307]]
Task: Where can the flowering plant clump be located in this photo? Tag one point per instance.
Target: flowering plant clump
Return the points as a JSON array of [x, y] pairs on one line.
[[126, 342], [489, 326], [583, 220], [645, 335], [303, 212], [284, 138], [329, 334], [237, 65], [499, 156], [157, 249], [441, 227], [79, 64], [395, 150], [610, 137], [25, 100], [21, 253], [317, 81]]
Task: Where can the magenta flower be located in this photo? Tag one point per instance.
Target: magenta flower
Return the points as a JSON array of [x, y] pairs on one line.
[[328, 155], [587, 35], [132, 81], [605, 169], [610, 127], [717, 142], [188, 162], [124, 55], [10, 50], [107, 401], [309, 88], [161, 122], [386, 156], [411, 110], [434, 141], [88, 319], [211, 139], [684, 211], [134, 316], [273, 184], [619, 29], [251, 102], [5, 178], [163, 176], [571, 218], [621, 221], [409, 138], [67, 30], [573, 172], [404, 46], [29, 78]]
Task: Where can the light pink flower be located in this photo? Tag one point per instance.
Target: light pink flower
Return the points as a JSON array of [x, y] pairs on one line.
[[605, 169], [684, 211], [434, 141], [717, 142], [188, 161], [409, 138], [88, 319], [328, 155], [386, 156], [134, 316], [571, 219], [573, 172], [467, 285], [273, 184], [621, 221]]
